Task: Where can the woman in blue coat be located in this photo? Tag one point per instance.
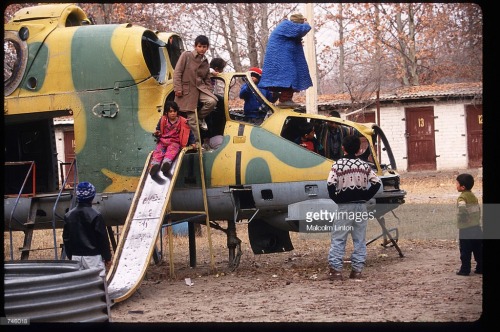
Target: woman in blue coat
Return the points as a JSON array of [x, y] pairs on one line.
[[285, 68]]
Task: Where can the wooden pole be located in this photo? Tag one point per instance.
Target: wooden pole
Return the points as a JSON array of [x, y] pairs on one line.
[[310, 52]]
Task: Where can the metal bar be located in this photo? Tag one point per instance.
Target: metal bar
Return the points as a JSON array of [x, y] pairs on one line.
[[172, 223], [381, 235], [34, 179], [36, 249], [253, 216], [170, 233], [111, 237], [61, 170], [204, 192], [54, 213], [200, 213], [32, 165], [189, 212], [192, 245], [381, 221]]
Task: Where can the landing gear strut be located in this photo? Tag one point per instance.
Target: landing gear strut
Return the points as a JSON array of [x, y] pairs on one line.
[[233, 243], [388, 238]]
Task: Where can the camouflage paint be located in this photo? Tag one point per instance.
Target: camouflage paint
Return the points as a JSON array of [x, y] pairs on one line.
[[257, 171], [107, 68], [119, 132], [37, 65], [261, 158], [291, 155], [79, 69]]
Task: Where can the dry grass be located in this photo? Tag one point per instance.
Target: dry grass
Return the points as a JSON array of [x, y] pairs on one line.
[[42, 244], [309, 254]]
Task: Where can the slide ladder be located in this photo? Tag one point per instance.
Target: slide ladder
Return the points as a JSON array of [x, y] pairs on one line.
[[192, 242]]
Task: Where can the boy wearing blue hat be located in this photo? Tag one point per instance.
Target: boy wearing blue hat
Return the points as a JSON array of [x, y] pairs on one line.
[[84, 233]]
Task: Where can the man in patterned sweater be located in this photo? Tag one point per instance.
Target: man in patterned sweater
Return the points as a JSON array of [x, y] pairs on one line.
[[351, 182]]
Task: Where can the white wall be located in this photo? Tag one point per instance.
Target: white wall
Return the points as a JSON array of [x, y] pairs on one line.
[[450, 135], [59, 136], [391, 122]]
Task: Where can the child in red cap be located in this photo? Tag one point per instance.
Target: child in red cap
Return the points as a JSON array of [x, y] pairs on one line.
[[254, 109]]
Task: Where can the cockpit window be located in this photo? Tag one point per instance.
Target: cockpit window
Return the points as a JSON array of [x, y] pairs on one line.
[[323, 137], [246, 104], [387, 160], [216, 120], [15, 60], [154, 51], [175, 47]]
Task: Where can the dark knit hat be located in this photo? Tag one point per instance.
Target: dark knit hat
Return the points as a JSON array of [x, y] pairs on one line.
[[255, 72], [85, 191]]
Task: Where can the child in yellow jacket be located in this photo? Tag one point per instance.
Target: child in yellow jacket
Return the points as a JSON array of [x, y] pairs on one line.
[[469, 226]]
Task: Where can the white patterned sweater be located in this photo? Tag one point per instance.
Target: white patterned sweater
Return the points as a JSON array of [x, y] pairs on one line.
[[352, 180]]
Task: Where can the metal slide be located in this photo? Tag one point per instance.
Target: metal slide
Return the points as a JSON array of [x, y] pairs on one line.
[[140, 231]]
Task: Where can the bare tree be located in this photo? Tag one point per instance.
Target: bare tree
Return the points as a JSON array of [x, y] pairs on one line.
[[229, 33], [377, 45], [251, 36], [264, 32]]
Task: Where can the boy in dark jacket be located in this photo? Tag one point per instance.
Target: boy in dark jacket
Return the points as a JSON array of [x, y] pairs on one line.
[[84, 233]]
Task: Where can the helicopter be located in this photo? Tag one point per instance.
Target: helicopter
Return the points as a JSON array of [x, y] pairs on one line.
[[113, 80]]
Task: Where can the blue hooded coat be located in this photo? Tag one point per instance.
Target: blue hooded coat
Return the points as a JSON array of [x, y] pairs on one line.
[[285, 64]]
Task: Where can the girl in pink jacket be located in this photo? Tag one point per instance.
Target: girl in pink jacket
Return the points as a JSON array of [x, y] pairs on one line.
[[172, 133]]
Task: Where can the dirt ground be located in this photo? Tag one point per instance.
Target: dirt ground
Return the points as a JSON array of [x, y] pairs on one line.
[[292, 286]]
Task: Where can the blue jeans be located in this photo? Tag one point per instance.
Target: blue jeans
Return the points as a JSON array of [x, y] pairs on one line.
[[352, 218]]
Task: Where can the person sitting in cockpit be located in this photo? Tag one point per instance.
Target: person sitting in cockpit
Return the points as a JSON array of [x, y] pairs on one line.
[[331, 136], [308, 139], [254, 108]]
